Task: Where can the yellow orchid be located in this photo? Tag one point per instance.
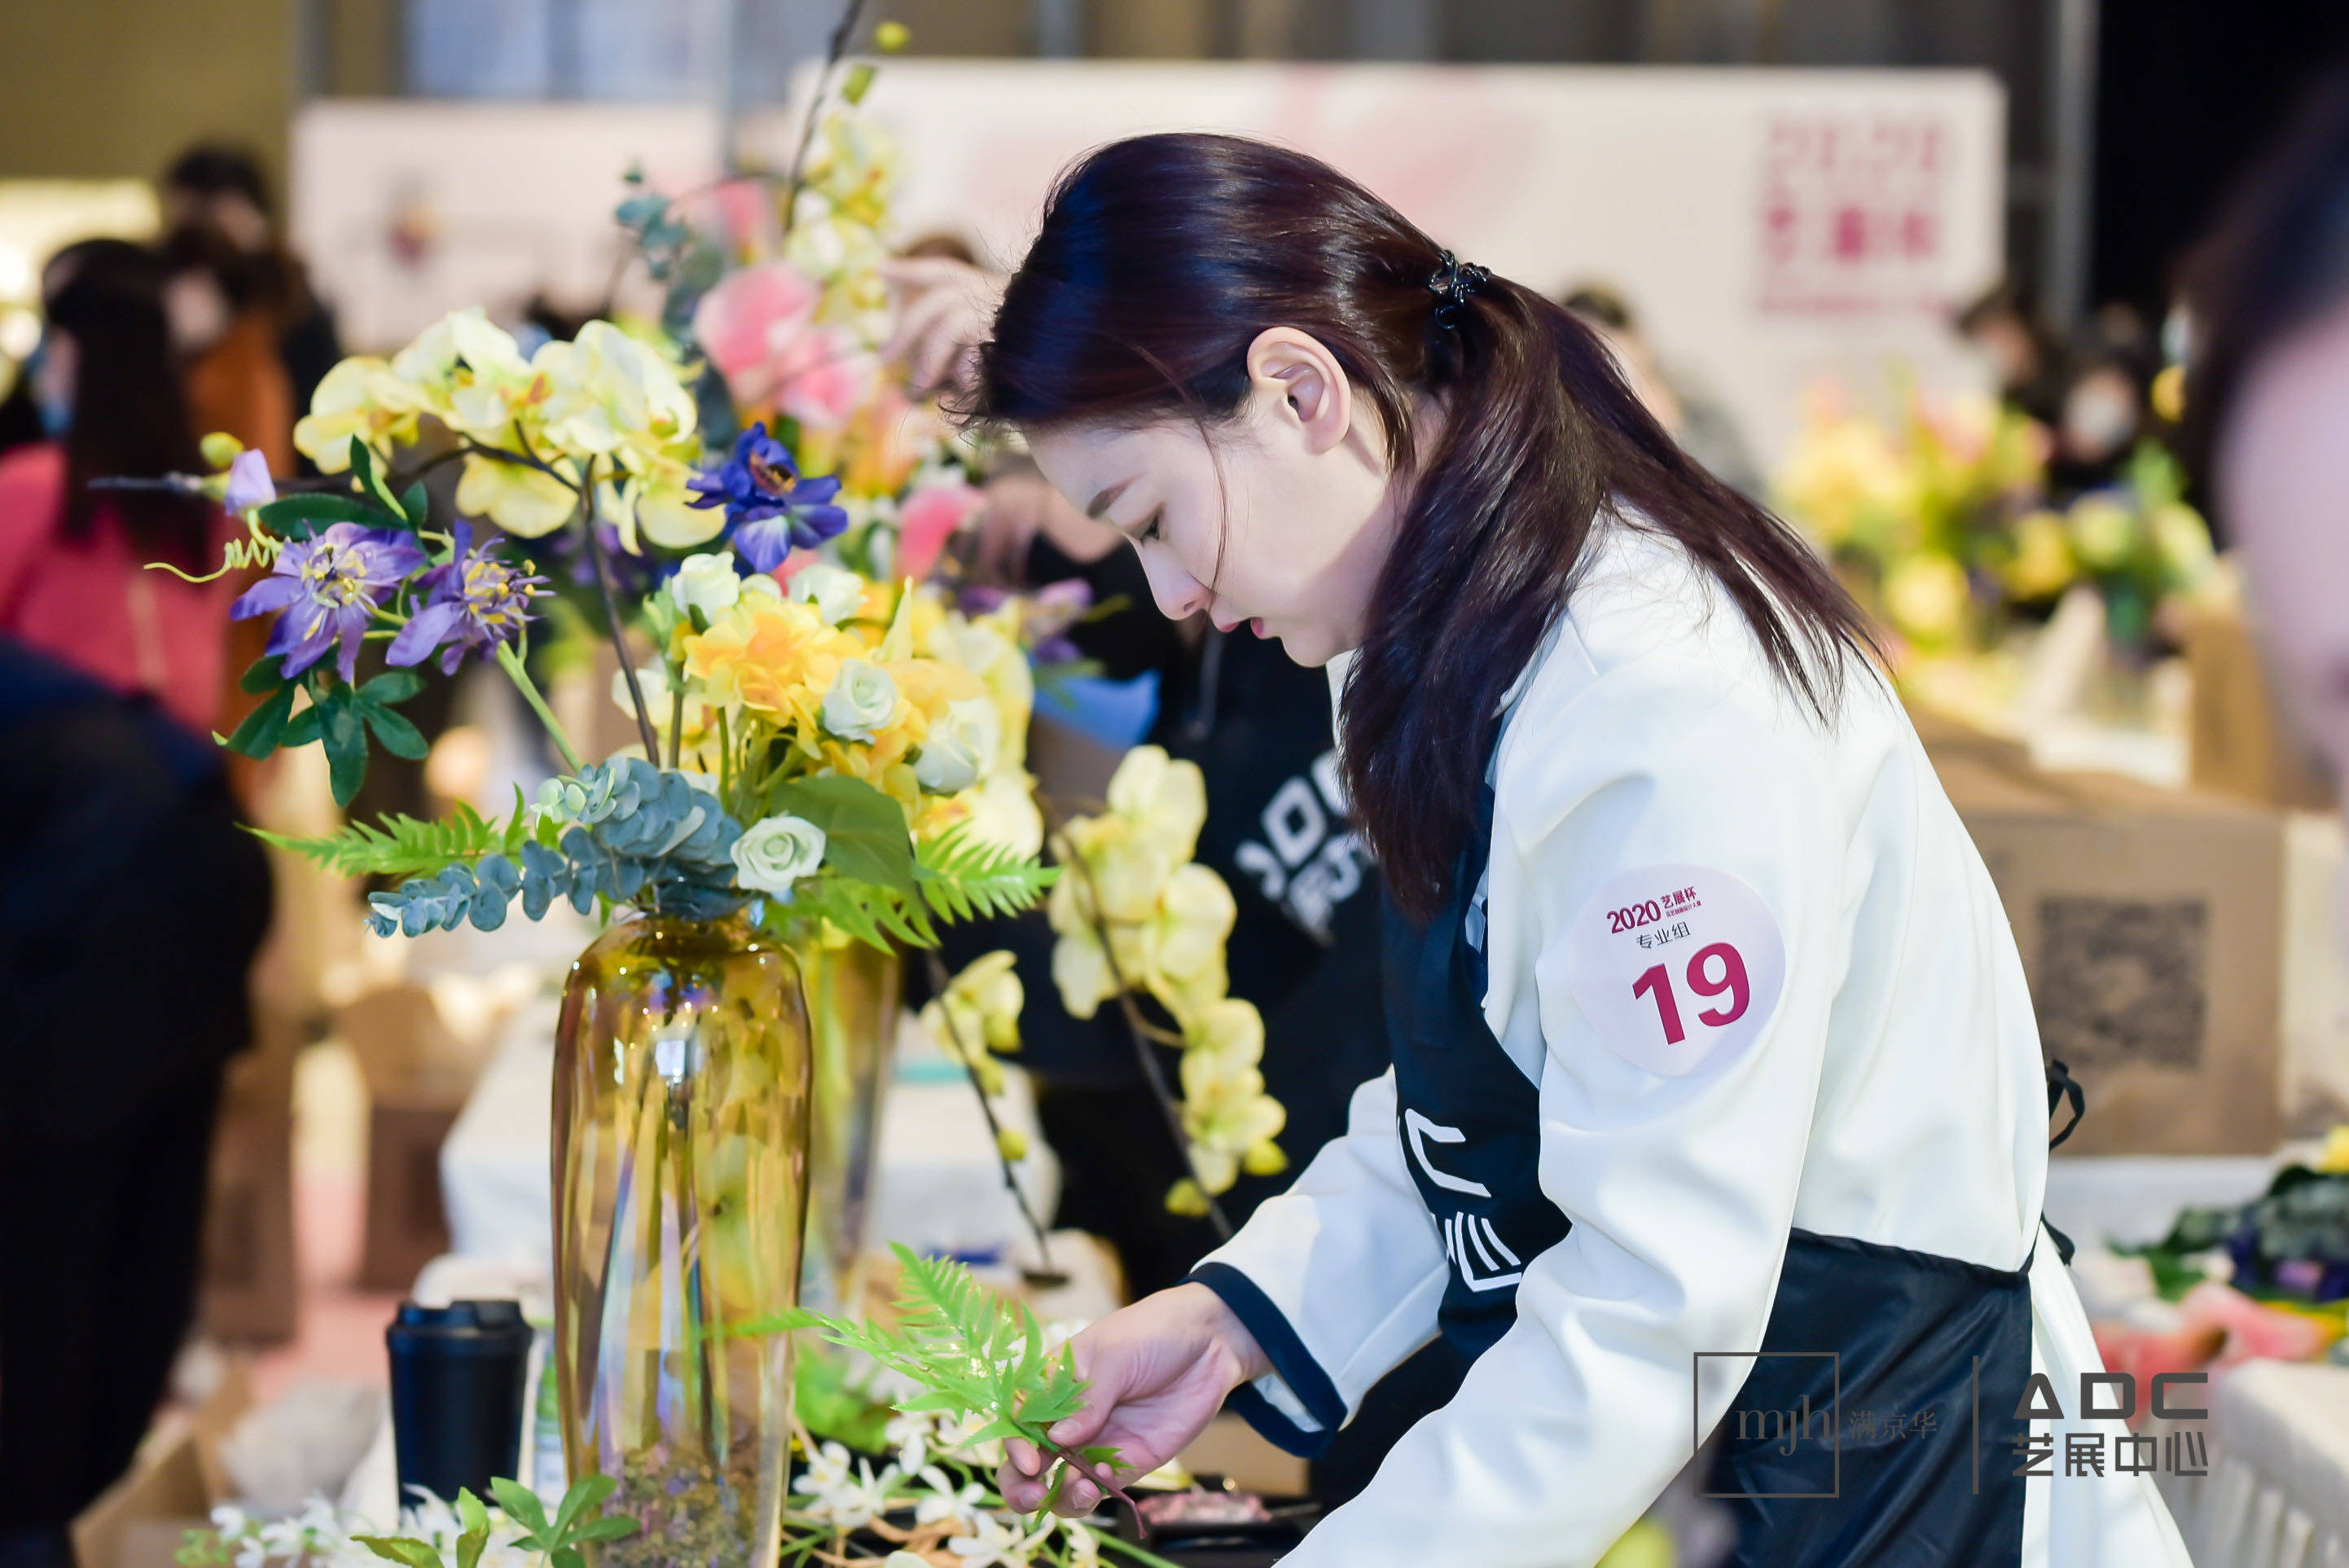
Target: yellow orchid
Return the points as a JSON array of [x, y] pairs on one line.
[[1163, 798], [359, 397], [525, 502], [979, 1006], [609, 392]]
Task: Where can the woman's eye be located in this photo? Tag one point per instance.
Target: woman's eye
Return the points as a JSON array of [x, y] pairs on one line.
[[1152, 529]]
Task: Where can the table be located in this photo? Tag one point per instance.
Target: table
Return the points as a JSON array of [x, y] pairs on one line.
[[2131, 1198], [2278, 1493]]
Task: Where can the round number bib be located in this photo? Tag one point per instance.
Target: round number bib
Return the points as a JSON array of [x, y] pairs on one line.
[[1677, 967]]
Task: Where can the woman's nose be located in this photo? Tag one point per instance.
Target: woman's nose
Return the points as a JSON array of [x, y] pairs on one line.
[[1180, 595]]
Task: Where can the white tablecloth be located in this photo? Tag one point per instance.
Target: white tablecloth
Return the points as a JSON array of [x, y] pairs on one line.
[[2278, 1493], [2130, 1198], [939, 1187]]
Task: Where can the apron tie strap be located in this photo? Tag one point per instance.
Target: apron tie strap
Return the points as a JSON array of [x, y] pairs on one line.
[[2062, 1086]]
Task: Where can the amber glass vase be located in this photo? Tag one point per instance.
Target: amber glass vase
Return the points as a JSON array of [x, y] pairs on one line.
[[681, 1094], [852, 993]]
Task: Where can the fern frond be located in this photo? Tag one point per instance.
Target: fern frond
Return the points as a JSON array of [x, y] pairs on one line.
[[405, 847], [864, 911], [965, 877]]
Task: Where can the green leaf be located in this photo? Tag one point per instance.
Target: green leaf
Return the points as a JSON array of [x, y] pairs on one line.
[[857, 83], [1098, 1453], [864, 830], [392, 686], [345, 734], [300, 730], [964, 878], [264, 727], [263, 674], [401, 1549], [371, 484], [585, 1496], [521, 1503], [567, 1557], [399, 737], [611, 1527], [415, 505], [303, 515]]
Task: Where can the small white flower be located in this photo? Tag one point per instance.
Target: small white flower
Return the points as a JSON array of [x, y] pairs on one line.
[[911, 1435], [777, 851], [836, 594], [945, 1501], [707, 583], [961, 748], [862, 700], [994, 1544]]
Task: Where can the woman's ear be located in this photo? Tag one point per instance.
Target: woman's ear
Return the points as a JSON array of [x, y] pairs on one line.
[[1302, 386]]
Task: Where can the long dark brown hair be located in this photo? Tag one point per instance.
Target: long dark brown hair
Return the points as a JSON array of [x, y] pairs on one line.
[[130, 418], [1159, 260]]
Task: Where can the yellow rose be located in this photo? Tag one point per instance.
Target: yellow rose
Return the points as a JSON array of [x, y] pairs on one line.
[[1927, 595], [2042, 566]]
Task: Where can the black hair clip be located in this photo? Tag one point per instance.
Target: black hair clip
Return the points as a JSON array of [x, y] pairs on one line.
[[1452, 282]]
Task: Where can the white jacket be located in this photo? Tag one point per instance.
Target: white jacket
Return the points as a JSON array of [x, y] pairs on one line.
[[1895, 1095]]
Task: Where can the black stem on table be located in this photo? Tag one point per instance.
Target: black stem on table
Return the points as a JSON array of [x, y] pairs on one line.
[[938, 983]]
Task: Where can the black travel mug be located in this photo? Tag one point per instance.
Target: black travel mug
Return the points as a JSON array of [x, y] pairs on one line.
[[457, 1376]]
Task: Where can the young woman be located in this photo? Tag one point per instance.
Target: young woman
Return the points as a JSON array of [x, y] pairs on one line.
[[1717, 1102]]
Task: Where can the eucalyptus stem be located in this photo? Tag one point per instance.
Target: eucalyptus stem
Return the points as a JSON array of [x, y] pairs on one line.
[[510, 662]]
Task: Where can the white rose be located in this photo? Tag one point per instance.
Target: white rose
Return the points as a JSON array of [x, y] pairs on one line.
[[836, 594], [961, 748], [707, 583], [760, 583], [777, 851], [862, 700]]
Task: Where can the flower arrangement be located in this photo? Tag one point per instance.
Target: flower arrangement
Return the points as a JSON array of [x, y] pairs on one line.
[[809, 756], [1942, 519], [2138, 543], [1136, 916], [1922, 509]]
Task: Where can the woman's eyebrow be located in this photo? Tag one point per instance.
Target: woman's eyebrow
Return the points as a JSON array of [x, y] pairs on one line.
[[1103, 502]]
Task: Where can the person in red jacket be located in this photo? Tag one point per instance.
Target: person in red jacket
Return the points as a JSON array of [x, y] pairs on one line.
[[74, 580]]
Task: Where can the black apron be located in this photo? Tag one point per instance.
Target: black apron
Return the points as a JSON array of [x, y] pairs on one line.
[[1876, 1424]]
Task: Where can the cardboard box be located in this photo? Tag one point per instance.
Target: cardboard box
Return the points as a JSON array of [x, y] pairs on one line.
[[248, 1289], [407, 1225], [141, 1520], [2241, 740], [2151, 925], [1945, 735]]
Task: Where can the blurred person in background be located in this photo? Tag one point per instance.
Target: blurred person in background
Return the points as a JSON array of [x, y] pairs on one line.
[[1701, 423], [2000, 327], [2267, 405], [217, 190], [223, 337], [130, 901]]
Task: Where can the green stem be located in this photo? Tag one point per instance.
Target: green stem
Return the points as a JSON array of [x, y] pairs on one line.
[[512, 663]]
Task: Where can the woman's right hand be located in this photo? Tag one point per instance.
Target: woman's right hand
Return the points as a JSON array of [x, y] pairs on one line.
[[1157, 1372]]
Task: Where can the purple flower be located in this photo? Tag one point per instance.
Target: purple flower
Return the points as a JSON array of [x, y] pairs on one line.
[[329, 587], [770, 509], [249, 483], [472, 602]]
